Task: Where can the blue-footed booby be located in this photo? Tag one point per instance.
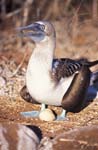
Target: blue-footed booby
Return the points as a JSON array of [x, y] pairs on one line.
[[51, 81]]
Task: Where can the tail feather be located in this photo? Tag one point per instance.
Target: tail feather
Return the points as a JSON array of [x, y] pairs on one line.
[[93, 63], [85, 62]]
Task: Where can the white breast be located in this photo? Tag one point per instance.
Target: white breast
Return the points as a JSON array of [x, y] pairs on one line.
[[41, 87], [39, 83]]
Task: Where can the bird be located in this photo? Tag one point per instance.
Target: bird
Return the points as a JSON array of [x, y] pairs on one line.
[[53, 81]]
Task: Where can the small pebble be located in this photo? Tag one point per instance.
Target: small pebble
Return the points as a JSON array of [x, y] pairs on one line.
[[47, 115], [2, 82], [1, 69]]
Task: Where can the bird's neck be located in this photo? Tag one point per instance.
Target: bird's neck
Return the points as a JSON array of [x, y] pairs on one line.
[[44, 52]]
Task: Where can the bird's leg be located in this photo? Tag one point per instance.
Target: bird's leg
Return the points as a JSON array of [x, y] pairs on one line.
[[62, 116], [43, 107], [33, 113]]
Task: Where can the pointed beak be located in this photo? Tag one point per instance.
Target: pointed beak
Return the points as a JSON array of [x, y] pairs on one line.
[[29, 27], [30, 30]]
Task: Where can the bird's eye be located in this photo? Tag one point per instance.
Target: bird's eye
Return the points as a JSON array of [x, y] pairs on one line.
[[42, 27]]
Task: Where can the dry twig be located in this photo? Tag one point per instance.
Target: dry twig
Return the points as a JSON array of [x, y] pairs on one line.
[[19, 66]]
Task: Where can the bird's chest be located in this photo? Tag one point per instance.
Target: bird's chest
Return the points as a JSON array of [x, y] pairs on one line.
[[37, 79]]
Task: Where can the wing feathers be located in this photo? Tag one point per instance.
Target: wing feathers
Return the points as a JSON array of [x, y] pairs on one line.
[[65, 67]]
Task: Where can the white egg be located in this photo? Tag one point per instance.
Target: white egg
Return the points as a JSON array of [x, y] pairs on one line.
[[47, 115]]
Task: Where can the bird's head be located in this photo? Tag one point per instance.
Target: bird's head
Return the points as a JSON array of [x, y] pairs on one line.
[[39, 31]]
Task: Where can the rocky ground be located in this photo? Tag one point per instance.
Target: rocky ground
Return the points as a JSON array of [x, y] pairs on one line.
[[79, 130]]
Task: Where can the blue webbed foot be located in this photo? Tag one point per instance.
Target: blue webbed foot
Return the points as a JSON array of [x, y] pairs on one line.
[[30, 114], [62, 116], [33, 113]]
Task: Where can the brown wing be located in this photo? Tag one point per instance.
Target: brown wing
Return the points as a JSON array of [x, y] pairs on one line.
[[66, 67], [26, 96], [75, 95]]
